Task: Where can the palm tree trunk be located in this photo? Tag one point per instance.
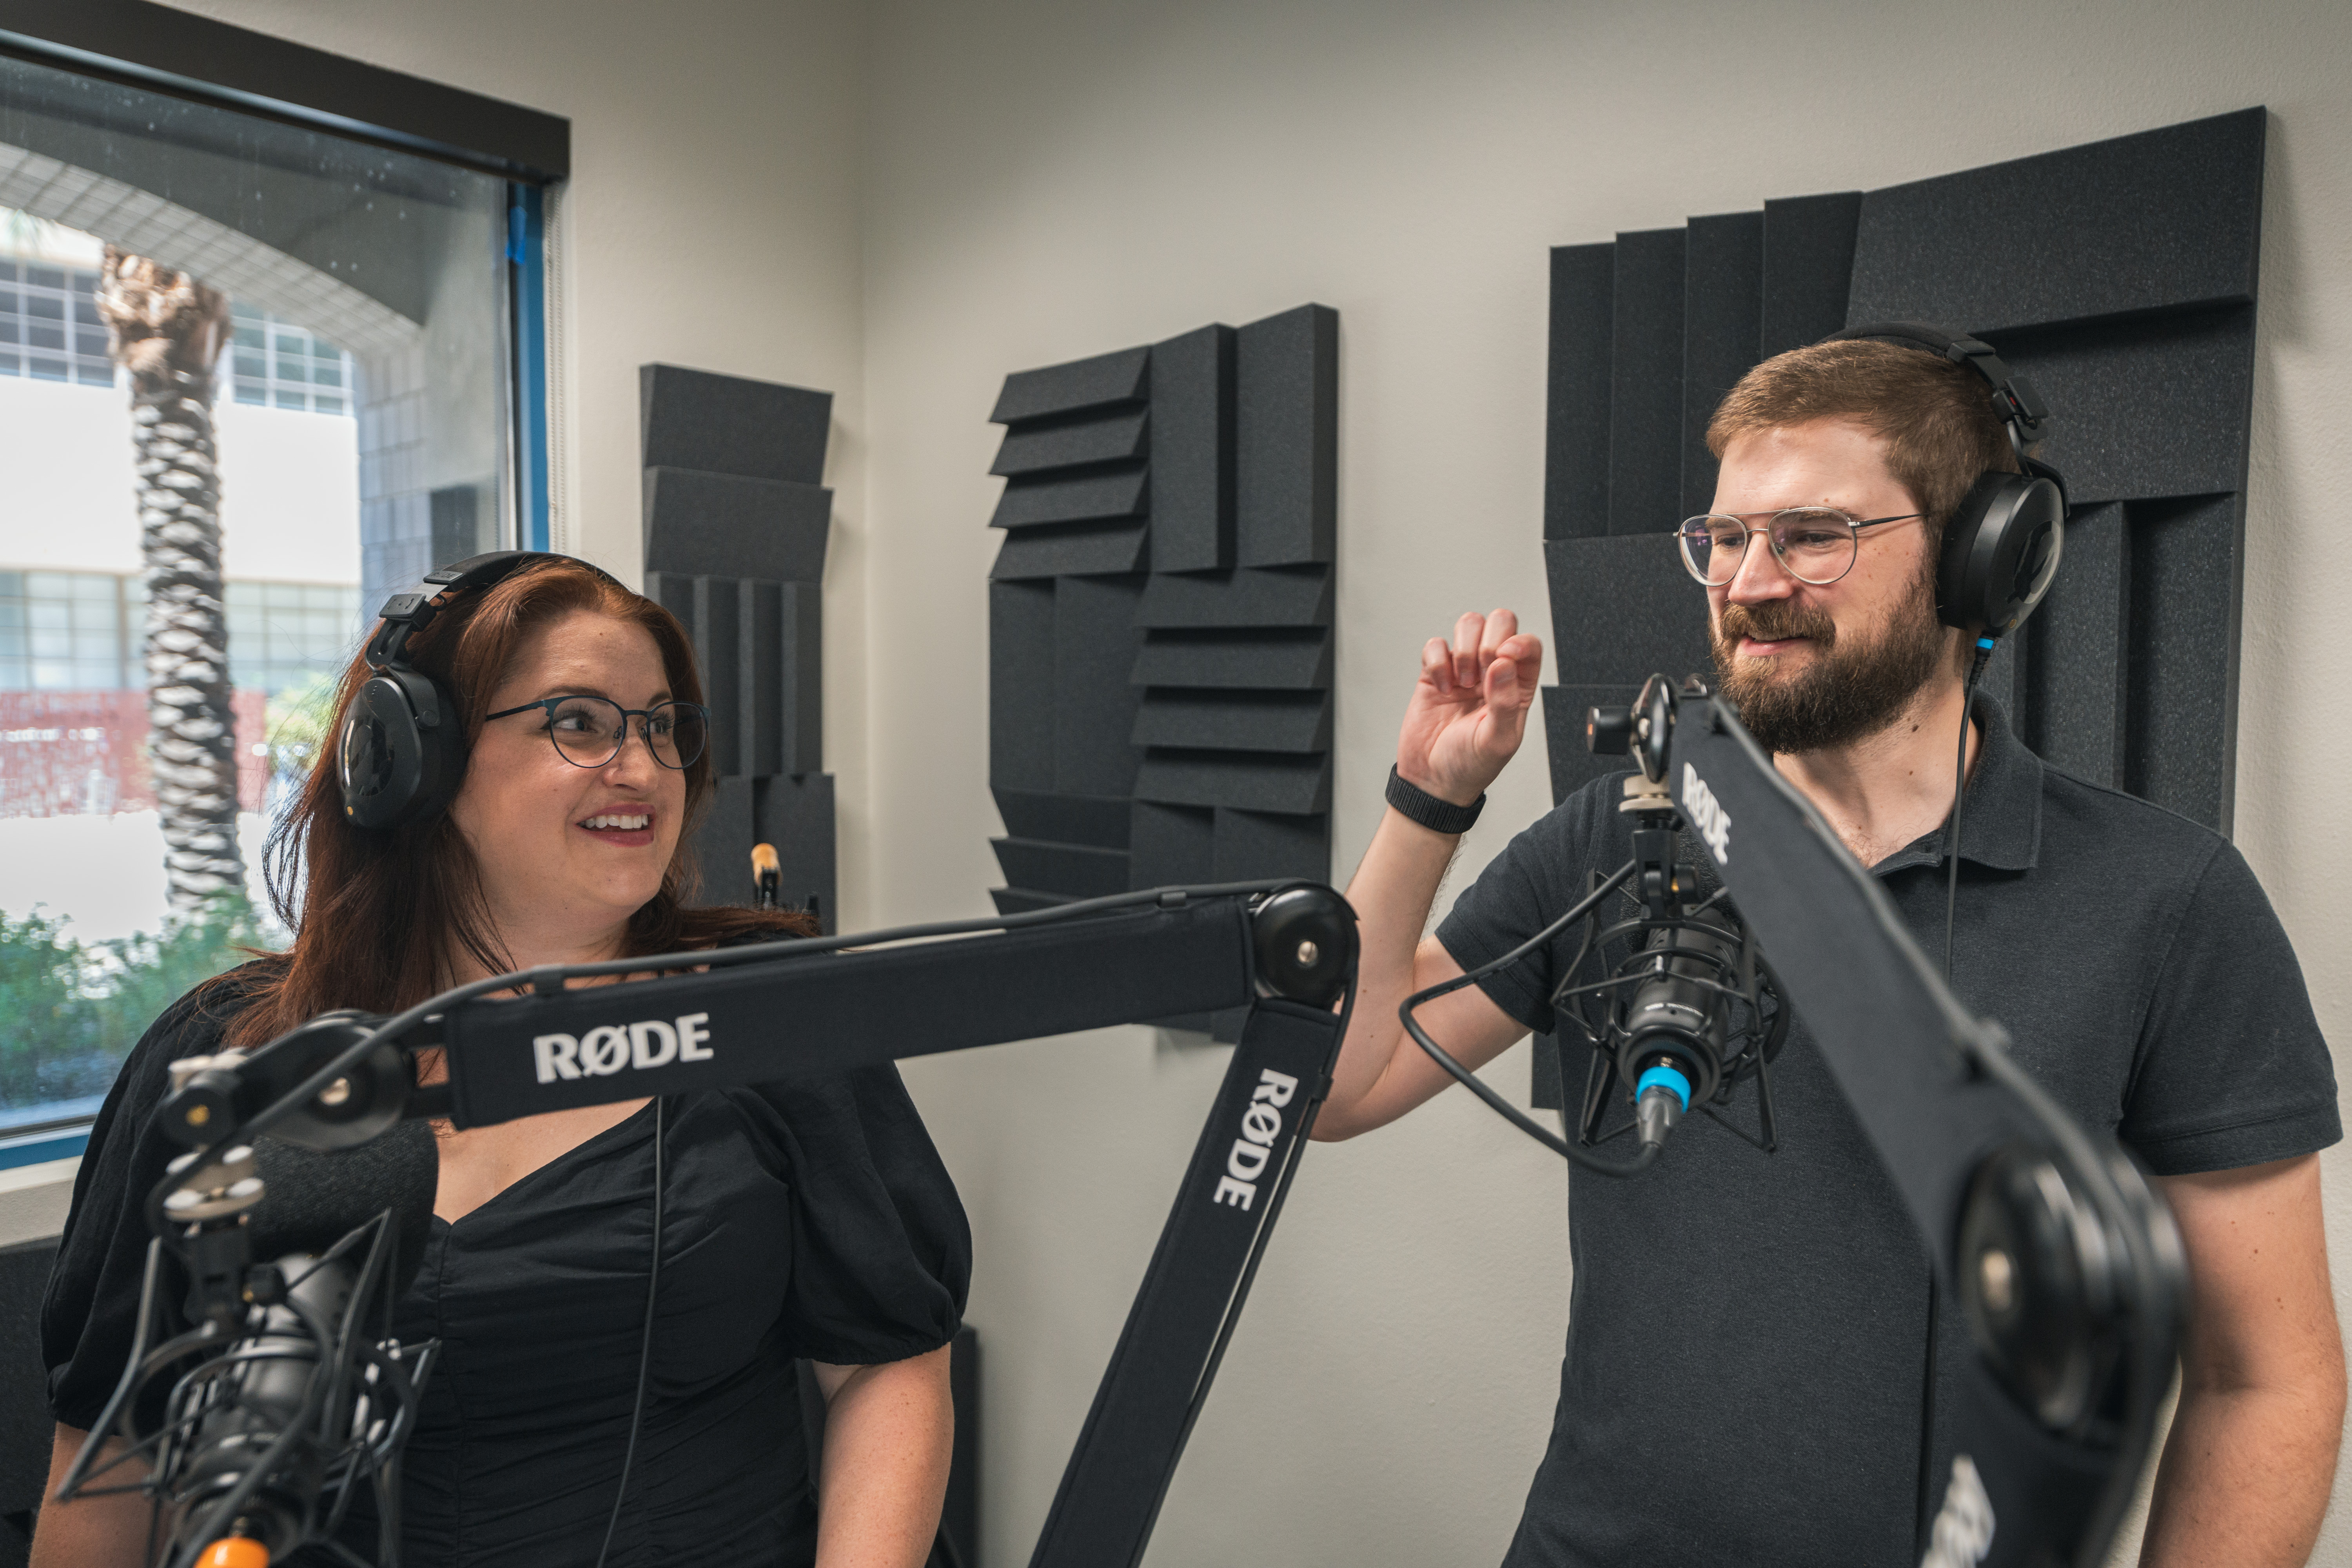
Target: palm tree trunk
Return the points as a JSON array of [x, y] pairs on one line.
[[166, 329]]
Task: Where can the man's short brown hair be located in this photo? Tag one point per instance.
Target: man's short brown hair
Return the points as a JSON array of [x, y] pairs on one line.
[[1935, 416]]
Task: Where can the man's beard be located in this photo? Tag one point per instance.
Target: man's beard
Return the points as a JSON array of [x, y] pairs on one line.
[[1847, 691]]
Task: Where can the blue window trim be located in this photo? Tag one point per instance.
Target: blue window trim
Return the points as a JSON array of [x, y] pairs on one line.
[[526, 254], [48, 1144]]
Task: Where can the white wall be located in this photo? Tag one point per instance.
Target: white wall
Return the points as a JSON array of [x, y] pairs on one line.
[[1052, 178], [903, 204]]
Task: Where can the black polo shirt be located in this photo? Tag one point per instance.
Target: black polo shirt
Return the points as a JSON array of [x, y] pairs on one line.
[[1748, 1332]]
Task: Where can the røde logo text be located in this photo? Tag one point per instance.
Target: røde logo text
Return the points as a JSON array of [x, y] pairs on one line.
[[1707, 814], [609, 1047], [1261, 1123]]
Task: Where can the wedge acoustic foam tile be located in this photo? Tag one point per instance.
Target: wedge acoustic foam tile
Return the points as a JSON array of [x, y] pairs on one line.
[[1723, 301], [1086, 496], [1078, 870], [723, 840], [1021, 686], [1096, 382], [1172, 844], [726, 525], [731, 424], [1253, 844], [1808, 268], [1024, 900], [1296, 722], [1099, 821], [1084, 550], [1285, 461], [2119, 275], [1577, 382], [1623, 609], [1646, 371], [1251, 781], [1193, 414], [1077, 441], [2157, 221], [1249, 596], [1094, 703], [1167, 568], [1272, 660], [2156, 405]]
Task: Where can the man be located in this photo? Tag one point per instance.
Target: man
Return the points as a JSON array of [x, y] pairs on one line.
[[1749, 1341]]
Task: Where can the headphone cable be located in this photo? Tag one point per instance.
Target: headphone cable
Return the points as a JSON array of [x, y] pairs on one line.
[[645, 1346]]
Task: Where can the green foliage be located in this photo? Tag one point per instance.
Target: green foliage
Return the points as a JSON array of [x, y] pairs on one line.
[[70, 1011], [297, 723]]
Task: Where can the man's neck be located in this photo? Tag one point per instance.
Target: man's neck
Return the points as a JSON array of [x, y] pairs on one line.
[[1889, 788]]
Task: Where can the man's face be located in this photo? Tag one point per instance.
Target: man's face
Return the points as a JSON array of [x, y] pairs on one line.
[[1813, 667]]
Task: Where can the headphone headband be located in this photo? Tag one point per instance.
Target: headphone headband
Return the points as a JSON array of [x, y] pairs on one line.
[[2015, 401], [406, 615]]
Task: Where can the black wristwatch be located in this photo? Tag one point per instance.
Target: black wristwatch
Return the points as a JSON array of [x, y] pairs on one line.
[[1436, 814]]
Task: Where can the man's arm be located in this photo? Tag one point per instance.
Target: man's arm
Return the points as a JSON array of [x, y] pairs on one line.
[[2247, 1469], [1466, 719], [889, 1432], [90, 1532]]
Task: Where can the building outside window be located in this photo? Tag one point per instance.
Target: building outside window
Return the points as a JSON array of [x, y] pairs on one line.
[[366, 418]]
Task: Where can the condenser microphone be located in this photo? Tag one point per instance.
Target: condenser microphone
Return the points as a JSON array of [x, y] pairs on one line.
[[767, 876], [310, 1399]]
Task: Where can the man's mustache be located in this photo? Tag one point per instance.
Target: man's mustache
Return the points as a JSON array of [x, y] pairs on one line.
[[1775, 622]]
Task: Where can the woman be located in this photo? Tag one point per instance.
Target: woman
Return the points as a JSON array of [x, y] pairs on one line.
[[803, 1220]]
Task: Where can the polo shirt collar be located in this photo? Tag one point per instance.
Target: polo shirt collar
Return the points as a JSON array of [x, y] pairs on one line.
[[2000, 821]]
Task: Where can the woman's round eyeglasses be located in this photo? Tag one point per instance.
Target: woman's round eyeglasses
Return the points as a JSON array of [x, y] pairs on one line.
[[1815, 544], [590, 732]]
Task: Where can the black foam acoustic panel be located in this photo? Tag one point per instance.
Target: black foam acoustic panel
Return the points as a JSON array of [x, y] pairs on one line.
[[1624, 609], [1161, 614], [1808, 268], [1276, 596], [1645, 369], [1085, 496], [1098, 383], [1268, 658], [1192, 451], [736, 519], [726, 525], [1074, 441], [1723, 302], [1577, 382], [731, 424], [1032, 555], [1287, 438]]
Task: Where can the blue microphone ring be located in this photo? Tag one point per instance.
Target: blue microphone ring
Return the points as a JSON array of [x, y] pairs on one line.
[[1669, 1077]]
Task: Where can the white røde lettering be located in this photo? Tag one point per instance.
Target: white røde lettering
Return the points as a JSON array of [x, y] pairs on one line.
[[609, 1047], [1707, 818], [1260, 1124]]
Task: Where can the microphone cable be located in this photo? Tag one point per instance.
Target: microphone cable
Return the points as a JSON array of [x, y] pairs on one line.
[[646, 1345], [1477, 1085]]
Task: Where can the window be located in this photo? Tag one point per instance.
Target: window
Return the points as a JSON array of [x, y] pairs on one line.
[[334, 404]]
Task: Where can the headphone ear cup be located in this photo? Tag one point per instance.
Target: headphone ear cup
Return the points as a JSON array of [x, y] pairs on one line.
[[400, 756], [2001, 553]]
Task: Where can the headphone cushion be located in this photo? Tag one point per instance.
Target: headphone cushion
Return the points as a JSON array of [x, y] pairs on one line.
[[2001, 551], [394, 767]]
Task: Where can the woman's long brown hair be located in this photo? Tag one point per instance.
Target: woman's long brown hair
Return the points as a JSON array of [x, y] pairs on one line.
[[380, 918]]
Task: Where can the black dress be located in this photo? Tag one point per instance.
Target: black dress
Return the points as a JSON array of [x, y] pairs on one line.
[[801, 1220]]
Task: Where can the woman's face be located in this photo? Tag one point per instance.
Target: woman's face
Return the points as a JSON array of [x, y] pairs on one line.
[[568, 853]]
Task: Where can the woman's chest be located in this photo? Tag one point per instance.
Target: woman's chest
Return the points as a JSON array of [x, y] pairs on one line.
[[540, 1295]]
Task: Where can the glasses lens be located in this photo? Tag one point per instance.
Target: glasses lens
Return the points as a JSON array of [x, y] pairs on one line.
[[1815, 543], [677, 732], [1712, 547], [587, 729]]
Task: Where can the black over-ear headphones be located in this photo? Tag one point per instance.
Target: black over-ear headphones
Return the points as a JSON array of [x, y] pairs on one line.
[[2002, 547], [401, 753]]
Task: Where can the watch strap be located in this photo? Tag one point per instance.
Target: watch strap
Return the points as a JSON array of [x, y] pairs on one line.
[[1433, 812]]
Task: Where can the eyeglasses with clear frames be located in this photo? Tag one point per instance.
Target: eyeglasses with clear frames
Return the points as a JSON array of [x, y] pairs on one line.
[[589, 731], [1814, 545]]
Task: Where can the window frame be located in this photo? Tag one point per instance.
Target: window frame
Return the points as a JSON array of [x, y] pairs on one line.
[[158, 48]]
